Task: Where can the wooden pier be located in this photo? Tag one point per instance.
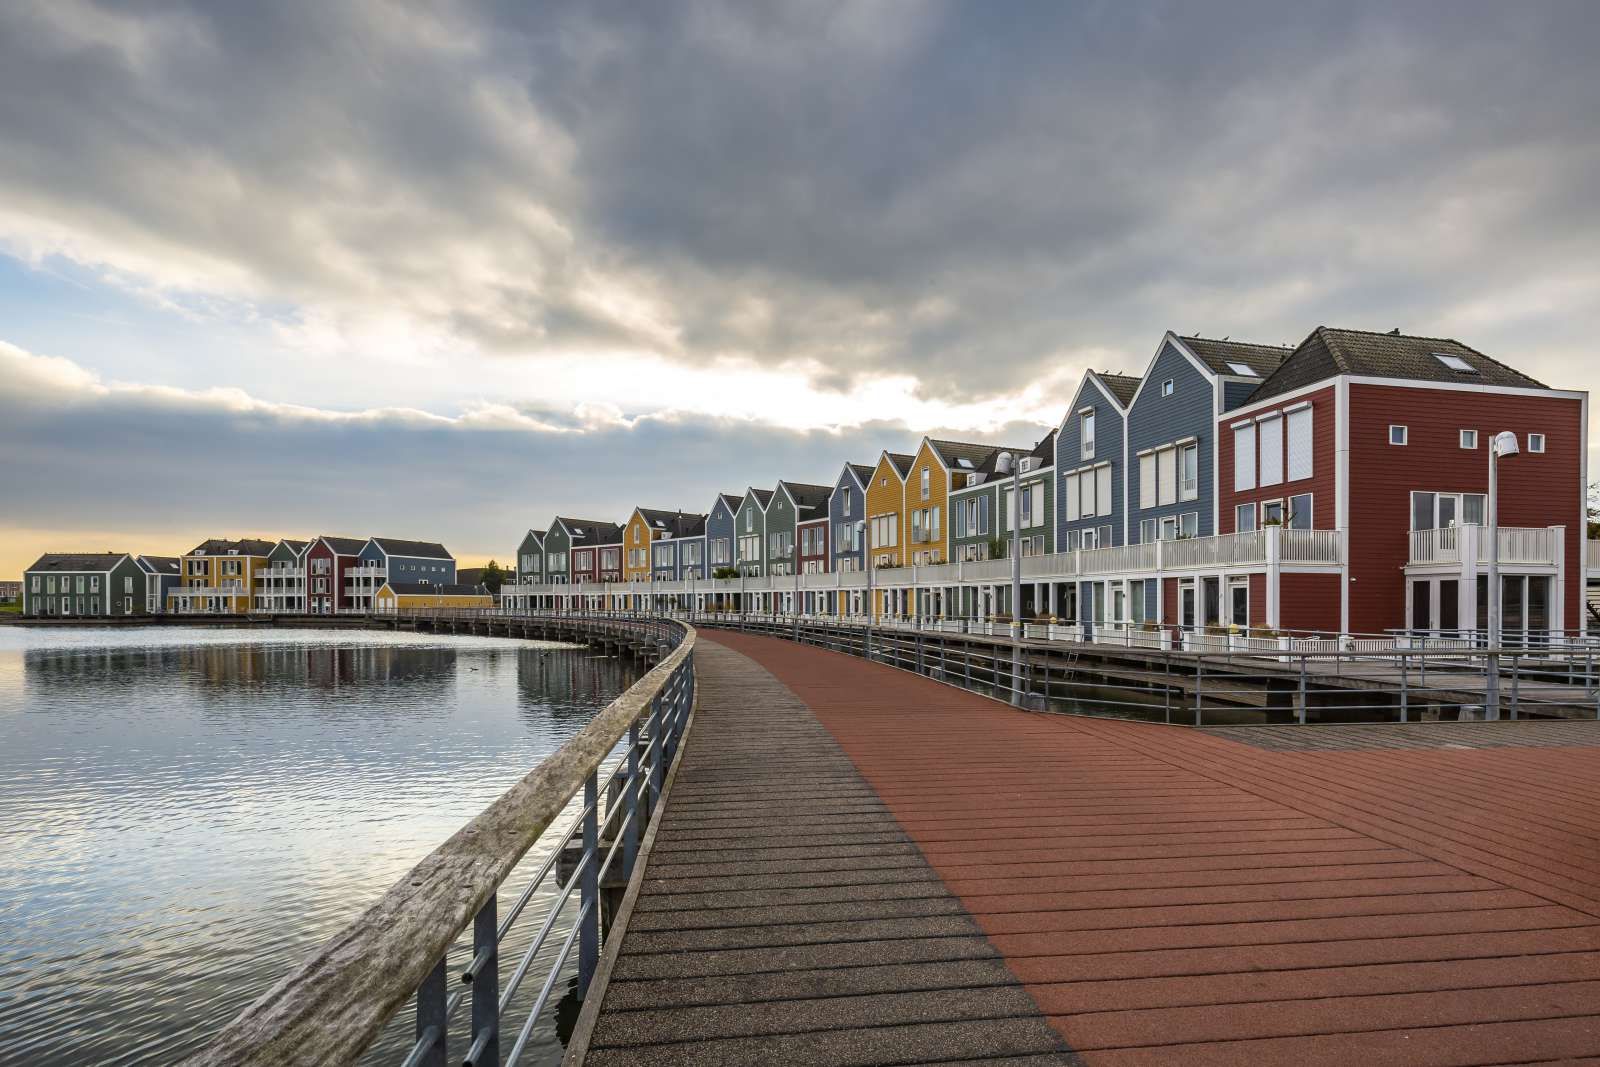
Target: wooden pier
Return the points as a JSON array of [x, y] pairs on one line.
[[860, 865]]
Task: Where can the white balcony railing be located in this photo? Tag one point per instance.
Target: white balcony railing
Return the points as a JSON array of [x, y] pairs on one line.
[[1304, 546], [1518, 545], [1592, 555], [1436, 546]]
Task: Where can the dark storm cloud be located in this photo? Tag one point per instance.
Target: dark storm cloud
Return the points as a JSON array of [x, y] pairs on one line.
[[972, 192]]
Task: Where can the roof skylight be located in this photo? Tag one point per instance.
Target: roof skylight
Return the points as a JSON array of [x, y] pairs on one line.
[[1240, 368], [1455, 363]]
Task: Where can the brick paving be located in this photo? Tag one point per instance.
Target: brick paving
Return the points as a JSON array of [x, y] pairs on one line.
[[1162, 894], [1522, 733]]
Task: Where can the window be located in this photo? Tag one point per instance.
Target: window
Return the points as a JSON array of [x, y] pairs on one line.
[[1086, 432], [1469, 439], [1440, 511], [1167, 476], [1300, 512], [1244, 518], [33, 583], [1455, 363], [1300, 445], [1167, 528], [933, 524], [847, 503], [1167, 387], [1189, 524], [1103, 490], [1397, 435], [1074, 502], [1271, 431], [1189, 472], [749, 521], [1536, 442], [1147, 531], [1242, 370], [50, 585], [1147, 480], [1244, 457], [1272, 513], [983, 515], [927, 483]]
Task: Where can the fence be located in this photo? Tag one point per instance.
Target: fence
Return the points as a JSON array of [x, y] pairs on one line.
[[337, 1003]]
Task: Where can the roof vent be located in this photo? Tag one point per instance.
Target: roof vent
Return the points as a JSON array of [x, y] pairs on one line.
[[1455, 363]]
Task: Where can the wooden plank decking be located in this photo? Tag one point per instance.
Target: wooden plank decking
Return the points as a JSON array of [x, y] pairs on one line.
[[861, 866]]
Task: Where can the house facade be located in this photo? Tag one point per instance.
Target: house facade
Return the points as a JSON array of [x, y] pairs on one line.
[[1172, 441], [722, 534], [847, 507], [281, 585], [1090, 463], [792, 503], [393, 559], [161, 576], [678, 547], [750, 533], [1386, 437], [530, 558], [219, 577], [331, 563], [70, 585], [392, 597]]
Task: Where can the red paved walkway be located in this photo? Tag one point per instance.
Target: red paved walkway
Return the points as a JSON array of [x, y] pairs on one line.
[[1169, 896]]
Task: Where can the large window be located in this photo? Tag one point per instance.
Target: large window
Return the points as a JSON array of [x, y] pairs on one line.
[[1271, 432], [1244, 457], [927, 483], [1086, 433], [1300, 444], [1244, 518], [886, 531], [1440, 511], [1300, 512]]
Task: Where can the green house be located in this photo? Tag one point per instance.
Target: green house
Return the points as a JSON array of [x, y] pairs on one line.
[[70, 585], [982, 511]]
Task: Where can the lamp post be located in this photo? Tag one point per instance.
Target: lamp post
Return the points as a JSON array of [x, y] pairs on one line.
[[863, 530], [1006, 463], [1503, 444]]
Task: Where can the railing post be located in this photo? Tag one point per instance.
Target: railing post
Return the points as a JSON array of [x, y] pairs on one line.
[[656, 777], [432, 1022], [1516, 678], [485, 1049], [1199, 687], [1405, 696], [630, 811], [1301, 717], [589, 888]]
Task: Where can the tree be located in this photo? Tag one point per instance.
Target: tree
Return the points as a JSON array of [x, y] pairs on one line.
[[493, 577], [1594, 510]]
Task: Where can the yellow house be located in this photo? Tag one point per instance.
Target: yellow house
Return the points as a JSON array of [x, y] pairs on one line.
[[216, 577], [636, 540], [886, 499], [938, 468], [393, 597]]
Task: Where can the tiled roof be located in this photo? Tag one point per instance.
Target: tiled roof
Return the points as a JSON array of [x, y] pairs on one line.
[[676, 523], [732, 500], [901, 461], [77, 561], [808, 497], [763, 497], [1261, 359], [345, 546], [1120, 386], [1046, 448], [425, 589], [863, 471], [161, 564], [1328, 352], [420, 549], [592, 531], [248, 546], [297, 546], [954, 452]]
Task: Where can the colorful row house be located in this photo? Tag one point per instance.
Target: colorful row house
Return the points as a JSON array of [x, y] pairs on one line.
[[218, 577], [69, 585], [281, 587], [162, 574]]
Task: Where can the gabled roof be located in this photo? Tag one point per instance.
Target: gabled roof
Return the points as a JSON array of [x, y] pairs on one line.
[[961, 455], [159, 564], [863, 471], [296, 546], [731, 501], [1046, 448], [426, 589], [902, 462], [346, 546], [393, 546], [1262, 360], [987, 467], [763, 497], [78, 561], [591, 531], [537, 535], [807, 497], [675, 523], [1329, 352], [1120, 387], [247, 546]]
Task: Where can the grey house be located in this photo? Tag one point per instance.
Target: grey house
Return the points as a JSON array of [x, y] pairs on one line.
[[750, 533], [530, 558], [847, 506], [791, 503], [162, 574], [86, 585], [721, 541], [1090, 464], [1172, 431]]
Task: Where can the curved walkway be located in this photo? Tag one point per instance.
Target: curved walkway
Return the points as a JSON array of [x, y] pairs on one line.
[[861, 866]]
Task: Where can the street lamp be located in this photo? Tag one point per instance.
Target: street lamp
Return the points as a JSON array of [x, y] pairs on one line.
[[1502, 445], [862, 531], [1005, 464]]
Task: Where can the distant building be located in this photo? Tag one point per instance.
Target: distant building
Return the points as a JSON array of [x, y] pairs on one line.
[[390, 559], [89, 584], [281, 586], [161, 576], [218, 577], [392, 597], [10, 592], [332, 565]]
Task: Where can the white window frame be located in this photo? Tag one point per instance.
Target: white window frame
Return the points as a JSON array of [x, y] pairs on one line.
[[1469, 440], [1147, 480], [1292, 515], [1244, 457], [1244, 518], [1169, 387], [1405, 435], [1536, 443], [1269, 439], [1086, 429], [1266, 509], [1189, 485]]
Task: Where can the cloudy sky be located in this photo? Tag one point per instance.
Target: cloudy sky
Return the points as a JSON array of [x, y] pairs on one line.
[[443, 270]]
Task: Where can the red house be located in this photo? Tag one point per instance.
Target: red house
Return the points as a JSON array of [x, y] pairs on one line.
[[1386, 437], [329, 561]]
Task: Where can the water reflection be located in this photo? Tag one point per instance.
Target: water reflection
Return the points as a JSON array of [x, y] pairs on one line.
[[185, 814]]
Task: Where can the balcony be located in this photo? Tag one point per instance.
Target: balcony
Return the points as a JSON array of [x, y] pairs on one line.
[[1528, 546], [366, 572]]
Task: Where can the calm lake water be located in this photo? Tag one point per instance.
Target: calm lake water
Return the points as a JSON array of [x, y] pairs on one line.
[[185, 814]]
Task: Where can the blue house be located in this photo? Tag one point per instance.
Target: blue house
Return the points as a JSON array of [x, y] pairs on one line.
[[720, 538], [162, 574], [750, 533], [846, 507], [677, 545], [1090, 463], [394, 560], [1172, 432]]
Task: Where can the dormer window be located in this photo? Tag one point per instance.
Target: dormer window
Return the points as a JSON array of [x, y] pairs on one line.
[[1455, 363]]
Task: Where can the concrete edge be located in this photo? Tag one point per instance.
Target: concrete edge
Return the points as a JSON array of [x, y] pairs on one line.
[[588, 1015]]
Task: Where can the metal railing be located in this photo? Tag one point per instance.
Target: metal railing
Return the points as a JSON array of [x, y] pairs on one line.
[[337, 1004]]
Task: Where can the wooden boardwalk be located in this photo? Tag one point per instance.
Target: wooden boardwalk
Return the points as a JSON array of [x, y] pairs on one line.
[[857, 865]]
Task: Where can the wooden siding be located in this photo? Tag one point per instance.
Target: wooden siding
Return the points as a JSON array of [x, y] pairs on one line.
[[1322, 484], [636, 535], [886, 496], [1155, 420], [934, 550], [846, 489], [1535, 490], [1307, 602], [1109, 434]]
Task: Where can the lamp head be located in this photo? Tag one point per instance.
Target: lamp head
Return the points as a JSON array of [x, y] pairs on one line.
[[1003, 463], [1504, 444]]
